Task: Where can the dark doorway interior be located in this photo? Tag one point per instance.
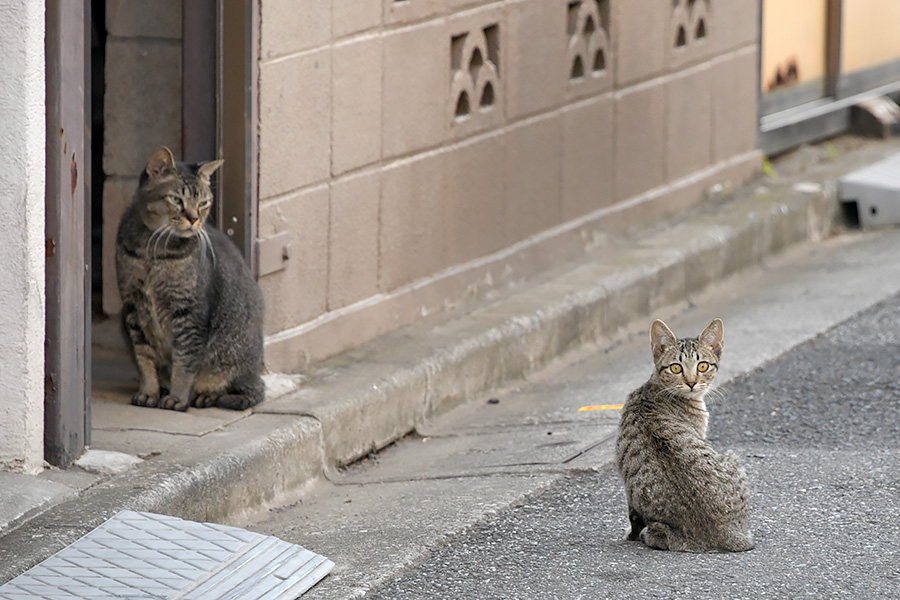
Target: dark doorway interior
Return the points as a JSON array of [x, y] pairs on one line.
[[98, 85]]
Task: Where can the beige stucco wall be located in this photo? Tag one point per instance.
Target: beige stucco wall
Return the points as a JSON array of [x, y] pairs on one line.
[[400, 201], [22, 146]]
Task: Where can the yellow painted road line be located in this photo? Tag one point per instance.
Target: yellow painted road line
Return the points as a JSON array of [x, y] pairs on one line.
[[601, 407]]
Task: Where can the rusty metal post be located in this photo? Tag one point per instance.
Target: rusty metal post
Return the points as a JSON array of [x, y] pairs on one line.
[[833, 48]]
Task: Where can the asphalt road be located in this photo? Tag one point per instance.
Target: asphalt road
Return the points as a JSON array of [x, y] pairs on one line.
[[819, 432]]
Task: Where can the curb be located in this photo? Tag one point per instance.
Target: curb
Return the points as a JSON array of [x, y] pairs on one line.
[[375, 395]]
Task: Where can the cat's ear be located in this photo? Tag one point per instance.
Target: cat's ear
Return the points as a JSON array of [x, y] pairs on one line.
[[661, 338], [205, 170], [161, 164], [713, 336]]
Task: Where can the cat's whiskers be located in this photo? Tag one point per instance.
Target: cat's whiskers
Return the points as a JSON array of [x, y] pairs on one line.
[[715, 393], [206, 243], [153, 236], [166, 232], [168, 237], [671, 391]]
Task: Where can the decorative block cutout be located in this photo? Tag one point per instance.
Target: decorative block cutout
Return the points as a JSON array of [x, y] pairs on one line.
[[690, 22], [475, 72], [588, 48]]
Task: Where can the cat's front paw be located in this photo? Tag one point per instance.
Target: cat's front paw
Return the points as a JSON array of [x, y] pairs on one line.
[[173, 402], [656, 535], [204, 400], [142, 399]]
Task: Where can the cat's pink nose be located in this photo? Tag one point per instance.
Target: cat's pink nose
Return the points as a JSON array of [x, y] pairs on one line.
[[691, 384]]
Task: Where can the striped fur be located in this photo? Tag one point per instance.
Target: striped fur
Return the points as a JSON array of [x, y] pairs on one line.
[[191, 309], [681, 494]]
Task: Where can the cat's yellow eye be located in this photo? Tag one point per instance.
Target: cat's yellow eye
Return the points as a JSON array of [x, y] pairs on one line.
[[702, 367], [675, 368], [174, 200]]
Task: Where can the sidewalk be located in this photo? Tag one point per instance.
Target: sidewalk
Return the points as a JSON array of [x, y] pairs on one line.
[[221, 466]]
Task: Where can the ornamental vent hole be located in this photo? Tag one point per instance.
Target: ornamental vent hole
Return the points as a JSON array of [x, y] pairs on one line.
[[701, 29], [577, 68], [462, 106], [487, 96], [599, 61]]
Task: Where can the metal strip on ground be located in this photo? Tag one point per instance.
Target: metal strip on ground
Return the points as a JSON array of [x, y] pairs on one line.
[[145, 555], [875, 190]]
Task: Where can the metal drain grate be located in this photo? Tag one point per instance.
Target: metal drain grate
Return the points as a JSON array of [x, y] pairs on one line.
[[875, 192], [144, 555]]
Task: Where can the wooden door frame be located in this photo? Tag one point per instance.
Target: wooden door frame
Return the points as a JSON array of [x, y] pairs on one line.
[[238, 118], [67, 383], [219, 119], [219, 107]]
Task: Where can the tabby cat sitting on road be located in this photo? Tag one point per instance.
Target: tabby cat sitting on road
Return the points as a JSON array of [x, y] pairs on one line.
[[681, 493]]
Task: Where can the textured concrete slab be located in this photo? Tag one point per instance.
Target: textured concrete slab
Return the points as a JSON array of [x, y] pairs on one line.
[[144, 555]]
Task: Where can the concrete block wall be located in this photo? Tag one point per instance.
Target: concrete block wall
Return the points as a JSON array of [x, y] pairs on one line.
[[142, 107], [422, 152]]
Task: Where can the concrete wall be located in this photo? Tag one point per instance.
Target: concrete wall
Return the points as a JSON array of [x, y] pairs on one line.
[[142, 107], [22, 142], [420, 152]]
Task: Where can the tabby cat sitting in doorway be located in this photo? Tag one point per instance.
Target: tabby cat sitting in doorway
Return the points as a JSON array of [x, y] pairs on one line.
[[681, 493], [192, 311]]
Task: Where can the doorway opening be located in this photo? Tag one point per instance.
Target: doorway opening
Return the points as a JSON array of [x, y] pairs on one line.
[[162, 80]]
